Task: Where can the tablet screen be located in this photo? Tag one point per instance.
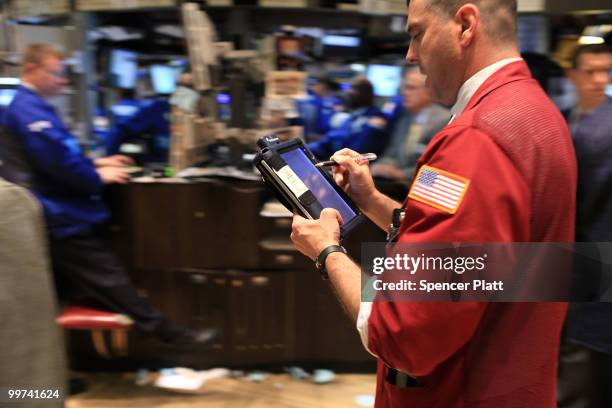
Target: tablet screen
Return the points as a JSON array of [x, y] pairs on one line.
[[297, 160]]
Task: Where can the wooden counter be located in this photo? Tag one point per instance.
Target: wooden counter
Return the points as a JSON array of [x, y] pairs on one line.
[[202, 253]]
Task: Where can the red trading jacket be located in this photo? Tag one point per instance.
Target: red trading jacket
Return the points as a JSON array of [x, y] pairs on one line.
[[514, 146]]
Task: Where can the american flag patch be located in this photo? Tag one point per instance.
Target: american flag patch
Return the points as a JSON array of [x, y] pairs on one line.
[[439, 189]]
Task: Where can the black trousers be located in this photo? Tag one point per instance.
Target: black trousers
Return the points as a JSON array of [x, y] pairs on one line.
[[585, 378], [85, 267]]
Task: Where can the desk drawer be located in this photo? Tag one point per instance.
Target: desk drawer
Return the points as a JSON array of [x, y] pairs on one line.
[[279, 253], [275, 226]]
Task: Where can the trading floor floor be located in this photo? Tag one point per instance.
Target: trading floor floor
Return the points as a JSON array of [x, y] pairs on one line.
[[279, 390]]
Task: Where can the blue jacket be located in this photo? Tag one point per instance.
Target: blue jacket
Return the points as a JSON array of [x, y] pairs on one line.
[[393, 109], [153, 119], [356, 133], [589, 323], [119, 114], [316, 113], [326, 107], [64, 180]]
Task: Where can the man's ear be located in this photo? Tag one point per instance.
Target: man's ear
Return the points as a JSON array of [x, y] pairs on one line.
[[28, 68], [468, 17]]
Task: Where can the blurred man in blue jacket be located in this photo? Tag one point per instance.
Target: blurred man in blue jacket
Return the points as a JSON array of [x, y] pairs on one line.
[[327, 102], [69, 185], [151, 122], [364, 131], [317, 109], [585, 367]]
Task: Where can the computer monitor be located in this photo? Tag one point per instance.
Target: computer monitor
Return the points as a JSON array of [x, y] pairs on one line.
[[164, 78], [386, 79], [123, 68], [224, 103], [6, 96], [341, 47]]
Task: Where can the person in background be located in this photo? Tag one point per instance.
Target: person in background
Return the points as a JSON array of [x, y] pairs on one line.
[[120, 113], [69, 185], [317, 109], [418, 120], [551, 77], [503, 170], [590, 76], [364, 130], [327, 102], [150, 123], [147, 127], [585, 363]]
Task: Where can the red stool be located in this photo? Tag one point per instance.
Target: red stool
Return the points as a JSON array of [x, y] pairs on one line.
[[97, 321]]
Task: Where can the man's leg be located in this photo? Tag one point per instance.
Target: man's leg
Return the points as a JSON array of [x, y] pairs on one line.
[[86, 262], [585, 377]]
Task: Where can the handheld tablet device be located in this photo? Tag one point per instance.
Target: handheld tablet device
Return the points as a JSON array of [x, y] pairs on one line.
[[289, 168]]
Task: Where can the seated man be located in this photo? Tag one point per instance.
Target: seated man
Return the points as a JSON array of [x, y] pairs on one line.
[[150, 123], [415, 122], [317, 109], [69, 185], [363, 131]]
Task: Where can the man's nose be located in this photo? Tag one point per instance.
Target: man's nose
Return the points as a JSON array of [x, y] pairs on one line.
[[411, 54], [602, 77]]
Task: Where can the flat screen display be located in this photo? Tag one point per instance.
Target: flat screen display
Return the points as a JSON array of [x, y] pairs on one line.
[[316, 183], [340, 47], [341, 41], [123, 69], [164, 78], [6, 96], [385, 78]]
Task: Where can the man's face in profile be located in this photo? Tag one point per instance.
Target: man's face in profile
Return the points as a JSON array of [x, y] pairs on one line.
[[416, 94], [436, 49], [49, 77]]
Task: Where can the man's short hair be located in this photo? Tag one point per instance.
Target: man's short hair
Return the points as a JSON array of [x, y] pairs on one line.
[[500, 15], [37, 53], [589, 49], [364, 88], [328, 83]]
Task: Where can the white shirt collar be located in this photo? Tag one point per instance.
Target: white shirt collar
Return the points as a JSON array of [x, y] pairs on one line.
[[28, 86], [469, 87]]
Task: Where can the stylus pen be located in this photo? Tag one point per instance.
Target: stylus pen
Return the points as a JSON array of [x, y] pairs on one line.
[[361, 158]]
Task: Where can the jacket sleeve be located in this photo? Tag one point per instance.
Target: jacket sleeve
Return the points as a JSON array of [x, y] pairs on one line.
[[54, 151], [331, 142], [370, 139], [417, 337]]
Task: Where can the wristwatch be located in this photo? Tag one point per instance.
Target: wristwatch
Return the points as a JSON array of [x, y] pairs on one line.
[[320, 261]]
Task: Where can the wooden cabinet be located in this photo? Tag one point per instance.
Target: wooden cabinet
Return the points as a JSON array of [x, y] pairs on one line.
[[199, 299], [202, 254], [154, 223], [218, 225], [252, 311]]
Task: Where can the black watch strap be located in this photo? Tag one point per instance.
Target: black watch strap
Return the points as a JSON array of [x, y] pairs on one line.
[[320, 261]]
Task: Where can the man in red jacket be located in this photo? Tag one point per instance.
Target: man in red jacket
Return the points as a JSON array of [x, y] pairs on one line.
[[508, 157]]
